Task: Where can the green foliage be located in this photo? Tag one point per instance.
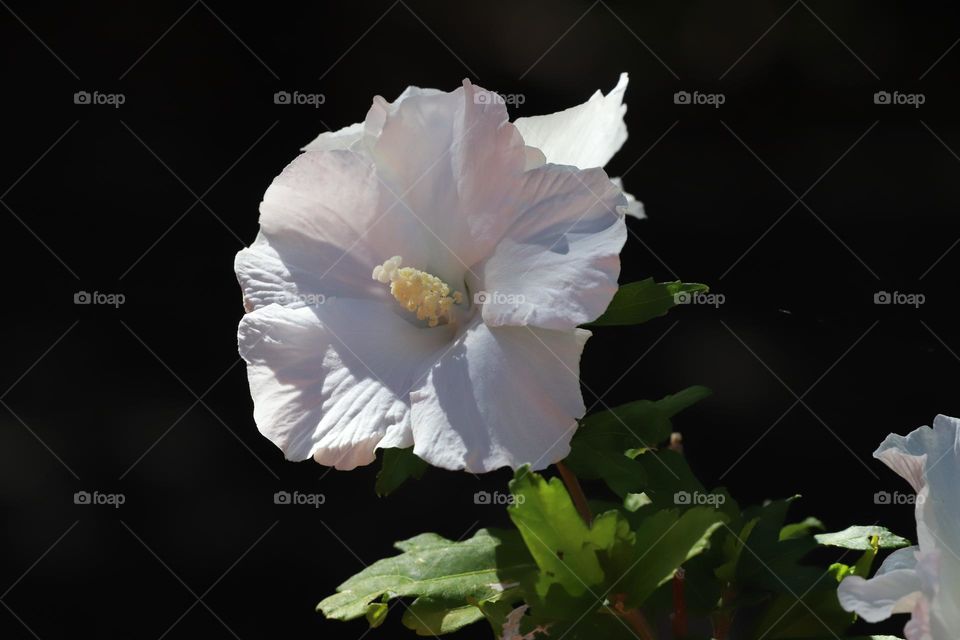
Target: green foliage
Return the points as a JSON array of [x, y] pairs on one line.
[[445, 577], [563, 545], [658, 540], [637, 302], [610, 446], [397, 466], [860, 539], [663, 542]]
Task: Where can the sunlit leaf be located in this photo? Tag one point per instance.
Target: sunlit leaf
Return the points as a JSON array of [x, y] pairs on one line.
[[637, 302]]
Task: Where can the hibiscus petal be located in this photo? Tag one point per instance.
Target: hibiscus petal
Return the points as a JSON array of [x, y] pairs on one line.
[[919, 626], [929, 458], [634, 207], [275, 270], [500, 397], [340, 139], [894, 589], [457, 164], [557, 266], [332, 381], [584, 136], [347, 137], [325, 222]]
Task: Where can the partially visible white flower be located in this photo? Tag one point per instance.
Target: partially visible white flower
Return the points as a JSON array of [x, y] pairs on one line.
[[419, 279], [923, 580]]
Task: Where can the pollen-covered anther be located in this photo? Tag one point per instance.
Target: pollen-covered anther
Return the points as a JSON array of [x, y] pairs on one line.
[[418, 291]]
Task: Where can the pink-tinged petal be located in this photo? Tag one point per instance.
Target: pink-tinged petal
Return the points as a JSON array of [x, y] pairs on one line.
[[457, 165], [332, 381], [584, 136], [325, 222], [340, 139], [500, 397], [918, 628], [894, 589], [929, 459], [557, 266], [348, 137]]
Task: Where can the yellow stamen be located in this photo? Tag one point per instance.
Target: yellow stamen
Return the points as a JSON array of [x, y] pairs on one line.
[[418, 291]]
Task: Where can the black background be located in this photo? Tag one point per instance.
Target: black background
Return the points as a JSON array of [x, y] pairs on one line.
[[154, 198]]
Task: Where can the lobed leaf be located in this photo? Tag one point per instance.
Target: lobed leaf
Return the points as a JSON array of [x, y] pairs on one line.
[[457, 574]]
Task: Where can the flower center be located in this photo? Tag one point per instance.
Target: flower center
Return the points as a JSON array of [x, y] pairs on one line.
[[419, 291]]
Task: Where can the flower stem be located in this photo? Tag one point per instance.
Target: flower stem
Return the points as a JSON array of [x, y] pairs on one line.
[[639, 623], [722, 618], [576, 492], [679, 606], [634, 617]]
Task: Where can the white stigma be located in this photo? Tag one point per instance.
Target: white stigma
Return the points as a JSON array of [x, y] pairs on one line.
[[418, 291]]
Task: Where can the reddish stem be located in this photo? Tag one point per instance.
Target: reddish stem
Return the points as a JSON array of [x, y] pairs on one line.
[[679, 606], [722, 619], [576, 492], [633, 617], [639, 624]]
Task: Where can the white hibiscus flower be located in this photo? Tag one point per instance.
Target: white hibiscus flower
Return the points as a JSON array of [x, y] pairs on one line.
[[419, 278], [923, 580]]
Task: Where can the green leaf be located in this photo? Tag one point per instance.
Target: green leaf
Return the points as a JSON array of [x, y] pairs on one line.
[[674, 404], [438, 570], [434, 617], [732, 548], [397, 466], [590, 460], [816, 613], [769, 564], [377, 613], [667, 475], [642, 423], [497, 610], [608, 443], [663, 542], [859, 538], [637, 302], [634, 501], [800, 529], [563, 546]]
